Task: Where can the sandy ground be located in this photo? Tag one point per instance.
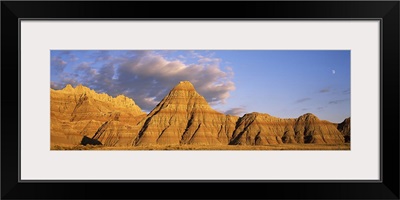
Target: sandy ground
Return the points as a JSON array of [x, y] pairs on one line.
[[219, 147]]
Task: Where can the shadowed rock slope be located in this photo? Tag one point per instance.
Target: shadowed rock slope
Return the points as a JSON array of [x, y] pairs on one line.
[[81, 116], [80, 113], [344, 128]]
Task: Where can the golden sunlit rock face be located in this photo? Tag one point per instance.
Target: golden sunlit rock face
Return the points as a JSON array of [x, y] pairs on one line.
[[263, 129], [184, 117], [78, 112], [82, 116]]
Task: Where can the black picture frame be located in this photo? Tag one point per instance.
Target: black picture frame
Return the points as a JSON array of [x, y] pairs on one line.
[[386, 11]]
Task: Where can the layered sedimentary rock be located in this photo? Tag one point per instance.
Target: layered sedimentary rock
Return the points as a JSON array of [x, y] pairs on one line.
[[263, 129], [344, 128], [82, 103], [82, 116], [309, 129], [81, 112], [184, 117]]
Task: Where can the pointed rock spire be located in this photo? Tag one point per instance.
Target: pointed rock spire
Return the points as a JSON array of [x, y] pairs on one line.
[[184, 117]]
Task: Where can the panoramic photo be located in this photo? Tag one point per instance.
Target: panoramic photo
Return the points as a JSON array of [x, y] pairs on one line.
[[200, 100]]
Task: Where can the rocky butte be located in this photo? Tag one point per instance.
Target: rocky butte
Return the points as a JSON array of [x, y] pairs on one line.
[[81, 116], [184, 117]]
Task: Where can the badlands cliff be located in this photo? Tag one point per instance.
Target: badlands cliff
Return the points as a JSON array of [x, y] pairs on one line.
[[263, 129], [184, 117], [82, 116], [78, 112], [344, 128]]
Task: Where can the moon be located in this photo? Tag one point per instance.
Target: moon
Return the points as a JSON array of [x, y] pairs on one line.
[[333, 71]]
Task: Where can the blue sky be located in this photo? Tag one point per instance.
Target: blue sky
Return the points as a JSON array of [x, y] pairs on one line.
[[281, 83]]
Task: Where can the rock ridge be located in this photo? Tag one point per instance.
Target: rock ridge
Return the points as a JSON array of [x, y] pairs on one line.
[[183, 117]]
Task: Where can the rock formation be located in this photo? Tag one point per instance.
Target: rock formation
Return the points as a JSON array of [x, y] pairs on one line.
[[263, 129], [78, 112], [184, 117], [309, 129], [82, 116], [344, 128]]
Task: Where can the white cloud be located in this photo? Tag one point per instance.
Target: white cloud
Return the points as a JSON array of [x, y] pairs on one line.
[[65, 79], [57, 64], [303, 100], [147, 77], [151, 75], [85, 67], [236, 111]]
